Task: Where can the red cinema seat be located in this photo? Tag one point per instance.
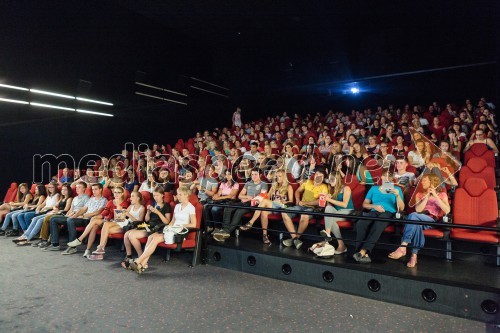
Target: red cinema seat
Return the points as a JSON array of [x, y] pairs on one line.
[[11, 193], [482, 151], [477, 168], [476, 204]]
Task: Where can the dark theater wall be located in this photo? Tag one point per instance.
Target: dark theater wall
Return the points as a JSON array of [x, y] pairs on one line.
[[51, 46]]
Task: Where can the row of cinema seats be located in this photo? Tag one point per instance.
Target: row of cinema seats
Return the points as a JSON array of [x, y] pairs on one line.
[[475, 202]]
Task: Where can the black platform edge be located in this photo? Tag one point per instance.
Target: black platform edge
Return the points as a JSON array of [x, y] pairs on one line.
[[464, 300]]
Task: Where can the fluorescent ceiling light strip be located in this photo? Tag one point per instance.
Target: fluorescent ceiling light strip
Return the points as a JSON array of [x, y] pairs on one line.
[[208, 91], [13, 101], [93, 101], [158, 88], [94, 112], [212, 84], [51, 106], [36, 91], [161, 98], [13, 87]]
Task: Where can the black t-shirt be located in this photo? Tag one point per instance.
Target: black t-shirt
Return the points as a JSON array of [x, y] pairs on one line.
[[154, 219]]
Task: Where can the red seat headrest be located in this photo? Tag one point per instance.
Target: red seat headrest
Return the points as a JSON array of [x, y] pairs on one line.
[[479, 149], [477, 164], [475, 186]]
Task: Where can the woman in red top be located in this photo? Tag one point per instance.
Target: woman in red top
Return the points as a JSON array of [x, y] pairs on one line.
[[97, 221]]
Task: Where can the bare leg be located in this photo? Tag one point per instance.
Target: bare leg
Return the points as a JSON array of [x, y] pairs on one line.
[[155, 239], [264, 220], [108, 228], [134, 240], [92, 234], [303, 223], [289, 224], [88, 229]]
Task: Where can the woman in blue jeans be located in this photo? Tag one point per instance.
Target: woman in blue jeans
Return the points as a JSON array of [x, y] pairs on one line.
[[24, 198], [24, 218], [32, 222], [432, 204]]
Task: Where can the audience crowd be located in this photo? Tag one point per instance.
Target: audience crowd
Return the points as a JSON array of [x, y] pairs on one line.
[[406, 159]]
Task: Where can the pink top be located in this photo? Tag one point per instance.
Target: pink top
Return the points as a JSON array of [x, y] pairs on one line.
[[432, 204], [226, 189]]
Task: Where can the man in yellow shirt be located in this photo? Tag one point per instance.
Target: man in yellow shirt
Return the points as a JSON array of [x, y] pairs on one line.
[[306, 198]]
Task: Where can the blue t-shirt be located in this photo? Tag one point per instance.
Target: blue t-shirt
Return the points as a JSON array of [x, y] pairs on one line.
[[386, 200]]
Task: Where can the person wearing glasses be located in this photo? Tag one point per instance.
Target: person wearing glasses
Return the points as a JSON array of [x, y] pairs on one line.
[[134, 213], [96, 222], [75, 218], [479, 137]]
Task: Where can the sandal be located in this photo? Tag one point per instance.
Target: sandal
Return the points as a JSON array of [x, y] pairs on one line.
[[265, 240], [126, 263], [247, 226], [413, 261], [400, 252], [23, 242], [19, 239], [137, 267]]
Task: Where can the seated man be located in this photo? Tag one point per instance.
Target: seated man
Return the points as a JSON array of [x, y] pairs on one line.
[[306, 198], [381, 203], [206, 185], [93, 206], [402, 177], [252, 189]]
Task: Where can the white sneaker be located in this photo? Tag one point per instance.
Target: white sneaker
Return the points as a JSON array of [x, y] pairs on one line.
[[87, 253], [75, 243]]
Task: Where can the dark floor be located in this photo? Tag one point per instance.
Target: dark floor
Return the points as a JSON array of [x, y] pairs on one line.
[[49, 292], [474, 271]]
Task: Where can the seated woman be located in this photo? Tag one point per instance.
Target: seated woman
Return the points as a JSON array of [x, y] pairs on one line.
[[96, 222], [157, 216], [131, 185], [381, 203], [149, 184], [43, 224], [165, 180], [399, 148], [281, 194], [354, 167], [432, 204], [479, 137], [116, 180], [88, 178], [184, 215], [339, 201], [135, 212], [421, 155], [227, 191], [28, 221], [23, 218], [24, 198]]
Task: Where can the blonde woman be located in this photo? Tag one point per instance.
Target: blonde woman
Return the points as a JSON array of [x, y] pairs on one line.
[[281, 193], [339, 201], [184, 215], [135, 212]]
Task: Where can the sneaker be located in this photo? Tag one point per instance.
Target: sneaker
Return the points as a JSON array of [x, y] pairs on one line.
[[298, 243], [36, 243], [2, 232], [87, 253], [51, 247], [365, 259], [324, 234], [75, 243], [221, 236], [99, 250], [288, 242], [357, 256], [95, 257], [43, 244], [70, 250]]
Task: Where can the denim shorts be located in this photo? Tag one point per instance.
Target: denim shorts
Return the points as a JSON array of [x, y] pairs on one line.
[[299, 209]]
